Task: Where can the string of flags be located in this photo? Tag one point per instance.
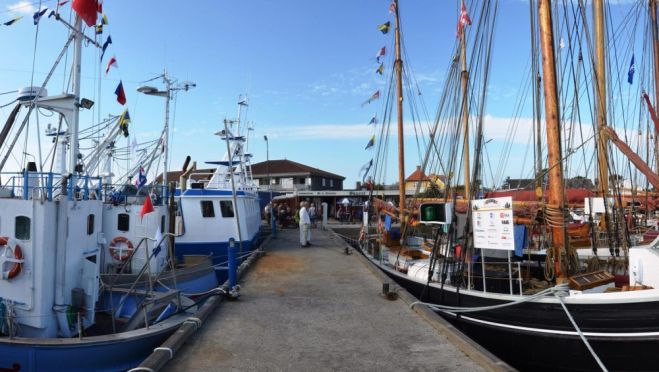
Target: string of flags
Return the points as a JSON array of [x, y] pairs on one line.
[[374, 97]]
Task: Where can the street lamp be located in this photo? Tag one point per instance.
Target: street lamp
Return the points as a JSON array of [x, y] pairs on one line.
[[272, 211], [167, 93]]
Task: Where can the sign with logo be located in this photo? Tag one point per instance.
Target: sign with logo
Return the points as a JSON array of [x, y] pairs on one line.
[[492, 221]]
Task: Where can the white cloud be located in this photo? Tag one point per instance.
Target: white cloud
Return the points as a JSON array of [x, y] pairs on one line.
[[22, 7]]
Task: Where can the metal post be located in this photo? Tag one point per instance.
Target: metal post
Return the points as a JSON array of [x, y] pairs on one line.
[[168, 97], [273, 220], [233, 264]]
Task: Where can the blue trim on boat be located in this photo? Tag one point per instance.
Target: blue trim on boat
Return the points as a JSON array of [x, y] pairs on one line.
[[212, 192], [218, 252]]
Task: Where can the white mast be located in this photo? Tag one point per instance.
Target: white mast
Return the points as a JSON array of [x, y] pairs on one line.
[[73, 125]]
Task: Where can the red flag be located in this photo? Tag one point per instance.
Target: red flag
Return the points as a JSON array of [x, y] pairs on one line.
[[86, 9], [121, 95], [111, 62], [147, 207], [381, 53], [464, 19], [100, 6]]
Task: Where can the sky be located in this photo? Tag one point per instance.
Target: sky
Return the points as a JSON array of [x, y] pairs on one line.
[[306, 67]]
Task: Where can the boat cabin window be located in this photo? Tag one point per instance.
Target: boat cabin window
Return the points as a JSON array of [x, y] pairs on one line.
[[207, 209], [226, 206], [123, 222], [162, 224], [90, 224], [22, 228]]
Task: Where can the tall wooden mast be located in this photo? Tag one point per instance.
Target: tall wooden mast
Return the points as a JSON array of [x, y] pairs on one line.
[[398, 66], [555, 191], [464, 77], [600, 95], [655, 48]]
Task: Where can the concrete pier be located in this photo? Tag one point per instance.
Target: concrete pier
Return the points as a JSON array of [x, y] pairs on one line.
[[317, 308]]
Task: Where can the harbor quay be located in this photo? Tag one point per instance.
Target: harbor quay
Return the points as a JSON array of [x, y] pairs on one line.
[[317, 308]]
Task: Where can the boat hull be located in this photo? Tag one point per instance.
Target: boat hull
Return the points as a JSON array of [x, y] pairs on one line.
[[117, 352], [539, 335]]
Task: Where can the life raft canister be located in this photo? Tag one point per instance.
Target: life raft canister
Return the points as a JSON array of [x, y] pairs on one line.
[[15, 258], [121, 248]]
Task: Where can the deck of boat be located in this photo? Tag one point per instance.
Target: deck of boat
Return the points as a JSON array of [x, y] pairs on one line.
[[319, 309]]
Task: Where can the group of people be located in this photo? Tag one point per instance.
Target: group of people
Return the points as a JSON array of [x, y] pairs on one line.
[[285, 217], [305, 218]]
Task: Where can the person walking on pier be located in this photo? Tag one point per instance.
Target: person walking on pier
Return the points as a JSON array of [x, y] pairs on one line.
[[305, 225]]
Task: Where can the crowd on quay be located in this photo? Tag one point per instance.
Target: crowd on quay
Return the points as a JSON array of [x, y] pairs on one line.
[[290, 218]]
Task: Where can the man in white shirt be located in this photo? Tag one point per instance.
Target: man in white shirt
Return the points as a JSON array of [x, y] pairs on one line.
[[305, 225]]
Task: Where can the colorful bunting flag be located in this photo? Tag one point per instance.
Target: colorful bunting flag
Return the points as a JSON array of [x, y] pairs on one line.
[[147, 207], [11, 22], [99, 29], [121, 95], [384, 28], [392, 7], [99, 8], [370, 143], [86, 9], [37, 15], [381, 53], [52, 13], [62, 3], [107, 42], [141, 178], [112, 62], [375, 96], [374, 120], [630, 73], [104, 20], [124, 120], [380, 69], [365, 168], [464, 19]]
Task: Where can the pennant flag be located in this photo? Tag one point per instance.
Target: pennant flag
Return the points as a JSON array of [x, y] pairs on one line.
[[99, 29], [11, 22], [392, 8], [111, 62], [37, 15], [99, 8], [374, 120], [86, 9], [384, 28], [124, 119], [121, 95], [107, 42], [62, 3], [630, 73], [464, 19], [104, 20], [380, 69], [381, 53], [365, 168], [52, 13], [370, 143], [159, 241], [147, 207], [375, 96], [141, 178]]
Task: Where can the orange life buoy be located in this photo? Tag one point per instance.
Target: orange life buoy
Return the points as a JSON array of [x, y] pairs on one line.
[[16, 258], [121, 253]]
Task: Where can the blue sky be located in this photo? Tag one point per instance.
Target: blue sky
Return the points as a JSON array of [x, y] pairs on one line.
[[306, 65]]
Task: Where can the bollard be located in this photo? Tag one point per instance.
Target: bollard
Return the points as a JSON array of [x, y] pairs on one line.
[[233, 263]]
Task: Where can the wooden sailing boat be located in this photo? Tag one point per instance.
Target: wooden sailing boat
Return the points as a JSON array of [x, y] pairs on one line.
[[558, 328]]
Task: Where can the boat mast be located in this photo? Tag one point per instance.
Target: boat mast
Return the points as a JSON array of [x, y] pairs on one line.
[[655, 47], [73, 125], [398, 67], [464, 77], [600, 94], [555, 191]]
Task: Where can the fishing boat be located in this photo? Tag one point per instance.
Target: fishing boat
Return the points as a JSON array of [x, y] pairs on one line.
[[56, 313], [220, 208], [543, 311]]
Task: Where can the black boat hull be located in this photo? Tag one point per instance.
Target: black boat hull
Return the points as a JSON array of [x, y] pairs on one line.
[[535, 336]]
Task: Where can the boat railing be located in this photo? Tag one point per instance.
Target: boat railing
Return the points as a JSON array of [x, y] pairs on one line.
[[46, 185], [480, 278]]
